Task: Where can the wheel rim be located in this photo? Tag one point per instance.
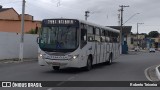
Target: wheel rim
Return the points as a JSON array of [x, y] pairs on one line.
[[110, 60], [89, 66]]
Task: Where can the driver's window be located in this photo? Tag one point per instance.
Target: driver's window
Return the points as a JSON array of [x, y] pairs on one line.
[[83, 35]]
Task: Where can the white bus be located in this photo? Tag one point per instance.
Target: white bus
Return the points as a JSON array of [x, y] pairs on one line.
[[76, 43]]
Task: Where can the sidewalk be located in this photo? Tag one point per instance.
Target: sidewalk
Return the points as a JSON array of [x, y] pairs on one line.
[[17, 60]]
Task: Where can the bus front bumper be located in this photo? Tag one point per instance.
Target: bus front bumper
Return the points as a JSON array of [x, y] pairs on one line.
[[62, 63]]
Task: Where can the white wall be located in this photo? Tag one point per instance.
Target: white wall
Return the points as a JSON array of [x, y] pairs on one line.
[[10, 45]]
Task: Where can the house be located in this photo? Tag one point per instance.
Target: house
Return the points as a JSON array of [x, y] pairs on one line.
[[10, 21], [138, 40], [156, 43]]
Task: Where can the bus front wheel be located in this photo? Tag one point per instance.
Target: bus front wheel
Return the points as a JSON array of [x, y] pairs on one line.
[[89, 64], [56, 68]]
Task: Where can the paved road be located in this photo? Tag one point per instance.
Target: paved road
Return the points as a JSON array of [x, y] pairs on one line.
[[126, 68]]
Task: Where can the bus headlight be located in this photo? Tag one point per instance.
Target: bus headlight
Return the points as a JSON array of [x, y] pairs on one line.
[[73, 56], [40, 55]]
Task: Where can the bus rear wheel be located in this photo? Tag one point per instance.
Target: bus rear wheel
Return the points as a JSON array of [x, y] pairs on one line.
[[56, 68], [109, 62]]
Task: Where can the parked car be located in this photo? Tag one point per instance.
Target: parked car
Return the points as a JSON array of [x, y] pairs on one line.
[[152, 50]]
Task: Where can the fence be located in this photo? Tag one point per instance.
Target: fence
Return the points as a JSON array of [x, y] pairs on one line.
[[10, 45]]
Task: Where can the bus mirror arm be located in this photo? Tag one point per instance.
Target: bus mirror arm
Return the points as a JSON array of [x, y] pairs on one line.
[[38, 40]]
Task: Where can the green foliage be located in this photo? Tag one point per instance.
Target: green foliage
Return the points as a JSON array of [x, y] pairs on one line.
[[32, 31], [153, 34], [145, 34]]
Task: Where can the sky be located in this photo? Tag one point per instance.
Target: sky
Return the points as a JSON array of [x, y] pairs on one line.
[[102, 12]]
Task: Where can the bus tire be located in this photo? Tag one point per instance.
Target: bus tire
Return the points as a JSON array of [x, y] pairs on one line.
[[56, 68], [109, 62], [89, 64]]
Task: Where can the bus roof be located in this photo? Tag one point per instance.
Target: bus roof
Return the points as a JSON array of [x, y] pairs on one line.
[[100, 26]]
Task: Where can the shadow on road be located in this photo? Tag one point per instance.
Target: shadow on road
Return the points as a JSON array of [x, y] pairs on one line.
[[79, 70]]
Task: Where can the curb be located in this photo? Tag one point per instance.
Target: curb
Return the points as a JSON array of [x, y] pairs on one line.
[[146, 73], [157, 72], [151, 73]]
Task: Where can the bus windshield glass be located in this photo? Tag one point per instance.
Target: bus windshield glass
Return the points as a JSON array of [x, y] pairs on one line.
[[58, 39]]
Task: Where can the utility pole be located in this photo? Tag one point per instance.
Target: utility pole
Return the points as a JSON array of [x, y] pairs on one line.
[[137, 34], [86, 14], [121, 10], [22, 31]]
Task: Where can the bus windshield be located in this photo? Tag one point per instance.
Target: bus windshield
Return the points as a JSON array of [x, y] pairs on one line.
[[59, 39]]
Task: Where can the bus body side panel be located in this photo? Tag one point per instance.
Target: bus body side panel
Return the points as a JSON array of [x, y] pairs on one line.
[[108, 50], [41, 61], [104, 51], [113, 51], [88, 49], [102, 48], [94, 48], [117, 50]]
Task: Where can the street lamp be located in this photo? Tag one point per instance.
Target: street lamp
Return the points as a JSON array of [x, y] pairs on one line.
[[130, 17], [86, 14], [137, 32]]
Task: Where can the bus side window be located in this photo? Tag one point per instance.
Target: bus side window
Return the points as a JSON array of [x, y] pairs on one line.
[[115, 37], [83, 35], [118, 38], [107, 37], [97, 35], [94, 31], [111, 37], [90, 34], [102, 35]]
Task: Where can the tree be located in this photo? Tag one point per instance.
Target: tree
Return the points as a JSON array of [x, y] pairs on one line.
[[153, 34], [145, 34], [34, 31]]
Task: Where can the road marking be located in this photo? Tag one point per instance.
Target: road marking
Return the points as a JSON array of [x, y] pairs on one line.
[[50, 89], [71, 78], [146, 74], [59, 84]]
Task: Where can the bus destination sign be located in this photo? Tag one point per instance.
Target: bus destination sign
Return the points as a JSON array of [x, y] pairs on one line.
[[60, 22]]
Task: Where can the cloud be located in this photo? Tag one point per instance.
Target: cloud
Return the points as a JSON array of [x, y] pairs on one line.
[[103, 12]]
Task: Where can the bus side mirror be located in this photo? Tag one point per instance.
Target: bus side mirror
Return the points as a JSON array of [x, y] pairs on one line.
[[38, 40]]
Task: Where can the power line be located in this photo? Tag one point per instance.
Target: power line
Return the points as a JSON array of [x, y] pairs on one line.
[[151, 25], [51, 3], [31, 8]]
